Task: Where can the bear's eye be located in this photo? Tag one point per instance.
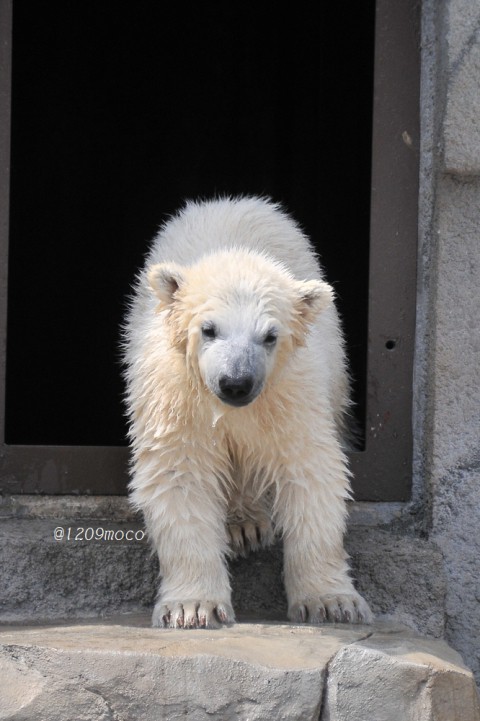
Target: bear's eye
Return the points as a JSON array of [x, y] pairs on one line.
[[209, 330], [270, 338]]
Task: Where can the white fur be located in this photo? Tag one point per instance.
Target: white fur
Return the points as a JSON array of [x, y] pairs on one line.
[[210, 477]]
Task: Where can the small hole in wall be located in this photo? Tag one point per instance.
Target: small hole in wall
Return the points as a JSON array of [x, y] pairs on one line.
[[390, 344]]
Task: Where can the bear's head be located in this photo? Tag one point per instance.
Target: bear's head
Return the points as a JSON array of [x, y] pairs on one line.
[[237, 316]]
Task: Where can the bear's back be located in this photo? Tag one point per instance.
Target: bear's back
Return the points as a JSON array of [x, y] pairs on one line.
[[256, 224]]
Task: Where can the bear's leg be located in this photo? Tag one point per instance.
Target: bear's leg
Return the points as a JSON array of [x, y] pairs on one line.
[[186, 522], [249, 522], [311, 512]]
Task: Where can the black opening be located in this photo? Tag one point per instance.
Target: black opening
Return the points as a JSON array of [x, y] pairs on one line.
[[121, 112]]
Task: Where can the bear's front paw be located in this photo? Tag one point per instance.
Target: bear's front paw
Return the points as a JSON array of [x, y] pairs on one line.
[[336, 608], [192, 614]]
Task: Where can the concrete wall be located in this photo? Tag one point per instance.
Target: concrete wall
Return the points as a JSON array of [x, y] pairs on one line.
[[417, 562], [448, 345]]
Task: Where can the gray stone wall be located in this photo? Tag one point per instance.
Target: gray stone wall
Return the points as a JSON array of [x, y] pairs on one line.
[[447, 385]]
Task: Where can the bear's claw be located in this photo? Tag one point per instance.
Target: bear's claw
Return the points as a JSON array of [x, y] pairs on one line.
[[341, 608], [192, 614], [248, 536]]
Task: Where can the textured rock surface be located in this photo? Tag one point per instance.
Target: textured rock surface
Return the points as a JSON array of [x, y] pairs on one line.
[[408, 678], [447, 385], [45, 578], [461, 127], [455, 406], [246, 672], [255, 672]]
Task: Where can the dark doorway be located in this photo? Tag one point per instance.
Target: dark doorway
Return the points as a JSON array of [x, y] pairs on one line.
[[119, 113]]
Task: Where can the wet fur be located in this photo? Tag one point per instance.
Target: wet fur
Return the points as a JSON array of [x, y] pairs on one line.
[[211, 479]]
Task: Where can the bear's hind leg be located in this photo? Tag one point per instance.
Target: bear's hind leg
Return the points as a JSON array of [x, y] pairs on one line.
[[249, 523]]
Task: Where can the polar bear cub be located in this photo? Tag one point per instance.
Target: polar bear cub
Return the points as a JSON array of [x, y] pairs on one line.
[[236, 391]]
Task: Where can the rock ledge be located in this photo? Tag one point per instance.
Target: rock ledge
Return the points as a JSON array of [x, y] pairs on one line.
[[120, 669]]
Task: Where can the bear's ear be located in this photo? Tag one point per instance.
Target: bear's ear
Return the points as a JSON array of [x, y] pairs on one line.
[[165, 279], [313, 296]]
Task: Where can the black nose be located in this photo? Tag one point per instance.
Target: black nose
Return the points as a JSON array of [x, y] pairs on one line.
[[236, 390]]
